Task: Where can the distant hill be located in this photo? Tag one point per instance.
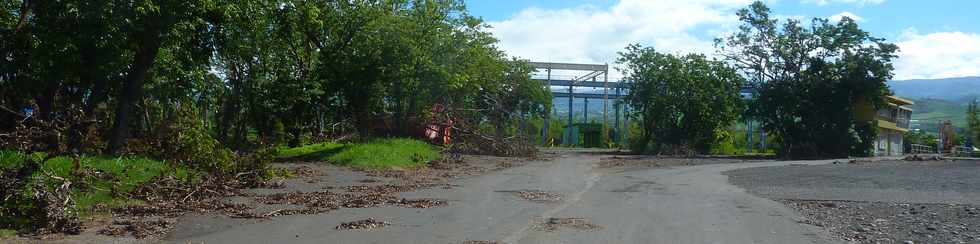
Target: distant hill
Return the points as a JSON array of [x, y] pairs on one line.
[[952, 89], [930, 111]]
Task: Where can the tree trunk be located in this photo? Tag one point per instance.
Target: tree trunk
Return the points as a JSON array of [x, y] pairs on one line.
[[25, 11], [132, 92]]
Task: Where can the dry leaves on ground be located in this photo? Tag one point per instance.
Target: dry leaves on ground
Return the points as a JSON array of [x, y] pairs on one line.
[[553, 224], [369, 223]]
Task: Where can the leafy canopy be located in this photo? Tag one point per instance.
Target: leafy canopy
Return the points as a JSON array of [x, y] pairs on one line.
[[682, 102], [813, 79]]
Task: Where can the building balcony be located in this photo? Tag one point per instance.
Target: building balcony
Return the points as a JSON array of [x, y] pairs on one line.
[[885, 124]]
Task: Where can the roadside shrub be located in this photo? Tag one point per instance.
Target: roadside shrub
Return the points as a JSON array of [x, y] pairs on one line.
[[254, 169], [34, 200], [725, 144], [183, 140]]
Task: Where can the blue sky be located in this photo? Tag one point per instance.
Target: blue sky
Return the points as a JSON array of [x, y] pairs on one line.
[[939, 38]]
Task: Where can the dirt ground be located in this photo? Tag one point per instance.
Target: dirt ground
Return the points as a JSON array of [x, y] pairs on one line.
[[893, 201], [316, 188]]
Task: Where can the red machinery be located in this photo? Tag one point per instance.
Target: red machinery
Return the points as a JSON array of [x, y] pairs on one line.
[[439, 127]]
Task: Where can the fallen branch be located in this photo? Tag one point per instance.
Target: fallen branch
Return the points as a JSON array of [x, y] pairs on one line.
[[270, 214]]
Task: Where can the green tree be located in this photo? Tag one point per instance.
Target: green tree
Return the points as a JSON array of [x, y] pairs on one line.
[[921, 138], [251, 67], [152, 24], [810, 80], [683, 102]]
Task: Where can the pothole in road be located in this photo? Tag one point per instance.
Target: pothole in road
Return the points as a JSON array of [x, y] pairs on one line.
[[369, 223], [537, 196], [482, 242], [553, 224], [421, 203]]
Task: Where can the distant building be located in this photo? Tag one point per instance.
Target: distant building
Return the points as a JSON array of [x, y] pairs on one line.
[[893, 122]]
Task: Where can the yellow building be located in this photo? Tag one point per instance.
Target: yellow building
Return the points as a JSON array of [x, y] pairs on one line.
[[893, 123]]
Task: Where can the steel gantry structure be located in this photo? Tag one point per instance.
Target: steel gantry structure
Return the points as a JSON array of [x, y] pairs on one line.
[[588, 80], [619, 88]]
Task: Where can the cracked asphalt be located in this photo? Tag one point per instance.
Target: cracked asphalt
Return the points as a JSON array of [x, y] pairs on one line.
[[691, 204]]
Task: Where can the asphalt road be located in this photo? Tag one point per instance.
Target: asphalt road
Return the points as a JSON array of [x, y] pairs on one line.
[[693, 204]]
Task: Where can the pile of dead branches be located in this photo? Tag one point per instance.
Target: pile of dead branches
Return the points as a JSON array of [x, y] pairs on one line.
[[29, 193], [468, 139], [474, 142]]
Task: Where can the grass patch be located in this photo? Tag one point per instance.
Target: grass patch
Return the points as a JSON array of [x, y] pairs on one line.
[[7, 233], [120, 175], [374, 154], [311, 152]]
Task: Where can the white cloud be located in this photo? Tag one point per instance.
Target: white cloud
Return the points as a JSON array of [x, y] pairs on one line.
[[591, 35], [841, 15], [859, 2], [937, 55]]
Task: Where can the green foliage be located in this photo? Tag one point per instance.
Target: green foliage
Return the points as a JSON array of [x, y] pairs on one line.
[[255, 168], [374, 154], [7, 233], [317, 151], [387, 153], [973, 122], [186, 81], [185, 141], [278, 69], [97, 181], [921, 138], [725, 144], [681, 101], [810, 78]]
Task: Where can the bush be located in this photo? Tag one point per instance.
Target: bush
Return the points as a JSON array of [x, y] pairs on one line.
[[185, 141], [96, 181], [255, 168], [725, 144]]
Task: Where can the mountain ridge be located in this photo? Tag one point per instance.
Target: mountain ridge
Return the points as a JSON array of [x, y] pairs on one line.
[[952, 89]]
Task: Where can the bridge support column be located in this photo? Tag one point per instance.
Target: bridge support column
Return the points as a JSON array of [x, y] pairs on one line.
[[585, 111], [547, 116], [571, 113], [626, 124], [619, 127]]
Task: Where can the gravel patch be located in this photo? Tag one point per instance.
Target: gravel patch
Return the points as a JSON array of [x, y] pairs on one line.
[[878, 201], [878, 222], [953, 182]]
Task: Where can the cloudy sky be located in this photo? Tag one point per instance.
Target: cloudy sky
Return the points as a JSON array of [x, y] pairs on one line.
[[938, 38]]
